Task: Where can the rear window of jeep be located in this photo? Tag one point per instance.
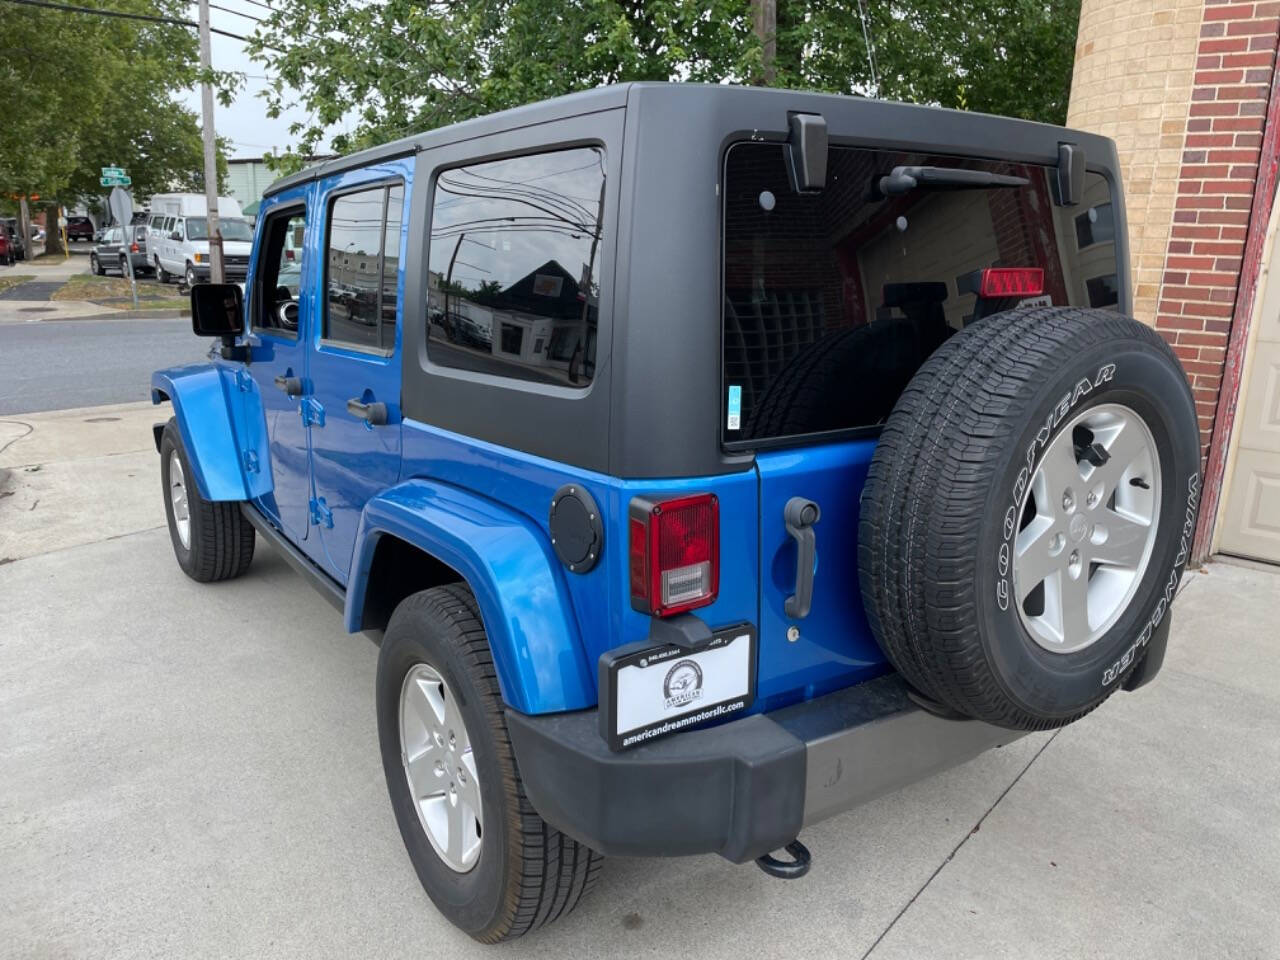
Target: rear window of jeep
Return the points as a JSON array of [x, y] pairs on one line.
[[882, 279]]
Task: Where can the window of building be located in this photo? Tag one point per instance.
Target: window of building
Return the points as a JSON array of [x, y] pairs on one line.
[[1104, 291], [515, 247], [1095, 225], [362, 266]]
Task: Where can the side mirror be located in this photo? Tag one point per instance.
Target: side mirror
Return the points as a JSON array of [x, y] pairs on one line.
[[217, 310], [176, 235]]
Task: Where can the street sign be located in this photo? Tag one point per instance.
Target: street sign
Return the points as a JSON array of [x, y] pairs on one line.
[[120, 181], [113, 171]]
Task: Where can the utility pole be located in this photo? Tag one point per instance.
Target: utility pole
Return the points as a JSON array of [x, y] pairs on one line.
[[210, 150], [766, 25]]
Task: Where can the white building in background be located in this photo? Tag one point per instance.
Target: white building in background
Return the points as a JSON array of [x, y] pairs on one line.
[[248, 177]]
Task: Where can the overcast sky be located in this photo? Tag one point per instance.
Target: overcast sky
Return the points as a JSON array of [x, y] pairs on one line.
[[245, 123]]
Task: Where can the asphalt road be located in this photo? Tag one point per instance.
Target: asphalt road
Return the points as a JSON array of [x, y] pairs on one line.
[[57, 364]]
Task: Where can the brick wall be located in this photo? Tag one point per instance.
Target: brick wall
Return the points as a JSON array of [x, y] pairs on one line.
[[1235, 58], [1132, 81], [1182, 86]]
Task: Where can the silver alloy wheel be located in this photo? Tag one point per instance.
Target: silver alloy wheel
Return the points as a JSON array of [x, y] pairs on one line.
[[440, 767], [1087, 529], [191, 276], [178, 494]]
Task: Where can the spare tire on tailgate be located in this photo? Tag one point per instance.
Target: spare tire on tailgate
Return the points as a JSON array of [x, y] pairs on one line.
[[1028, 513]]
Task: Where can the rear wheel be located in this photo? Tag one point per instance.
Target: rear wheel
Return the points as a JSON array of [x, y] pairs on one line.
[[1028, 513], [96, 266], [124, 266], [162, 274], [490, 864]]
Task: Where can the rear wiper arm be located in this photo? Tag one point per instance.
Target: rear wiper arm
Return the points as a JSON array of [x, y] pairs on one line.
[[903, 179]]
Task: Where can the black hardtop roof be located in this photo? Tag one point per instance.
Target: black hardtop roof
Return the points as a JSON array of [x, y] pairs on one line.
[[618, 95]]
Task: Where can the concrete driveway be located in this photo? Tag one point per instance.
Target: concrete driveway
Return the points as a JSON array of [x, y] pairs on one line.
[[191, 771]]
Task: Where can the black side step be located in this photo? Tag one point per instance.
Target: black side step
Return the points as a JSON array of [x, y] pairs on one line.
[[326, 585]]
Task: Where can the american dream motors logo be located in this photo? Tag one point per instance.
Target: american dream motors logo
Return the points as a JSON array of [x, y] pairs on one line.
[[682, 685]]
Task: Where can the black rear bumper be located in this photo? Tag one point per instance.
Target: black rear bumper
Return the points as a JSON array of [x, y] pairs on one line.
[[744, 788], [748, 787]]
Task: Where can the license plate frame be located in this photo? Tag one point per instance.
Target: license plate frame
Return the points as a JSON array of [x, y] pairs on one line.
[[679, 691]]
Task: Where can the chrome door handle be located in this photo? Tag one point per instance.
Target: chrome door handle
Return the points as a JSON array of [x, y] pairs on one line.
[[290, 385], [374, 414]]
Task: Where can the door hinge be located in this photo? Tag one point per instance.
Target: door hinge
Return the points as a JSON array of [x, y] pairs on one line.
[[312, 412], [250, 461], [243, 380], [321, 515]]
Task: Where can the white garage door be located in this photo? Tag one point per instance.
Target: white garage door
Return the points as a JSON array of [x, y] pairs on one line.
[[1251, 524]]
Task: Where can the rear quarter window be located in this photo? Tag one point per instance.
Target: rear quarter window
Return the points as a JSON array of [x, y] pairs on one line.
[[833, 300]]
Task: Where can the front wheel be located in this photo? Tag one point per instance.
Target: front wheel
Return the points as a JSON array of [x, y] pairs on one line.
[[212, 540], [490, 864], [191, 275], [96, 265]]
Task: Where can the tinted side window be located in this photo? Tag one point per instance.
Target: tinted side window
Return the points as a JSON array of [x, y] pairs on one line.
[[362, 267], [870, 280], [514, 250]]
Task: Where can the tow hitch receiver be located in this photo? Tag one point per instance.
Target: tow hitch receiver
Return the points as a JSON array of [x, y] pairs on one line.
[[792, 869]]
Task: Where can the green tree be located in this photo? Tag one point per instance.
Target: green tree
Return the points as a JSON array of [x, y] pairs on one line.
[[401, 66], [86, 91]]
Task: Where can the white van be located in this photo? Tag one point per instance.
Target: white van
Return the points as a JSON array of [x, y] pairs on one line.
[[178, 237]]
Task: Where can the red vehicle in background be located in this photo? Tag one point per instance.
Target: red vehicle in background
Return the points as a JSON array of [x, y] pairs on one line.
[[79, 228], [7, 255]]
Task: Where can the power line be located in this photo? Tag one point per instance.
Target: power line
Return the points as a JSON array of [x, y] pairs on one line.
[[236, 13], [121, 15]]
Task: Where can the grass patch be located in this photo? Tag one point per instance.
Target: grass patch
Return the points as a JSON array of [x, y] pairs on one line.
[[114, 292], [9, 280]]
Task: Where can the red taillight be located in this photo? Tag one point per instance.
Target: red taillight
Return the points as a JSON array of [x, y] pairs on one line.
[[674, 553], [1011, 282], [133, 248]]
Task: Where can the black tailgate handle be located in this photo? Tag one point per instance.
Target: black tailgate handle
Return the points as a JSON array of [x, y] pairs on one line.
[[800, 515]]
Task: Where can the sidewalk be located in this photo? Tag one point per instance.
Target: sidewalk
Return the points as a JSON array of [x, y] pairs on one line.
[[73, 477], [192, 770]]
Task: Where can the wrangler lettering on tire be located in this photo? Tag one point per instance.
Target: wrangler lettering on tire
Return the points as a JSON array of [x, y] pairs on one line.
[[1025, 519]]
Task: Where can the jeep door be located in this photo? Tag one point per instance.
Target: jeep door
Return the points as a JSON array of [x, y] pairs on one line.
[[281, 308], [354, 350]]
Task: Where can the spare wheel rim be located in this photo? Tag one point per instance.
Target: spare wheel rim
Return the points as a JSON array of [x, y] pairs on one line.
[[1088, 525], [440, 767]]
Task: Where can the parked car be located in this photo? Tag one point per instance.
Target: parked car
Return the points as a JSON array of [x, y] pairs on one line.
[[111, 252], [808, 459], [10, 227], [79, 228], [7, 256], [180, 247]]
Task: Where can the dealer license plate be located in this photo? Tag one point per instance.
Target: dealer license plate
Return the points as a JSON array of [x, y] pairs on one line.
[[651, 691]]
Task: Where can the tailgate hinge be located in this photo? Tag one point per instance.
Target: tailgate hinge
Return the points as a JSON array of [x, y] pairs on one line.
[[321, 515]]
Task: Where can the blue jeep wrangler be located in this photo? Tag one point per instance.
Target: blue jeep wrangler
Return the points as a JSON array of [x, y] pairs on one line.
[[705, 460]]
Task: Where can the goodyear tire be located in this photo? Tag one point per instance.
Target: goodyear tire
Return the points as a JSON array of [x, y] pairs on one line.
[[1028, 513], [491, 865]]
